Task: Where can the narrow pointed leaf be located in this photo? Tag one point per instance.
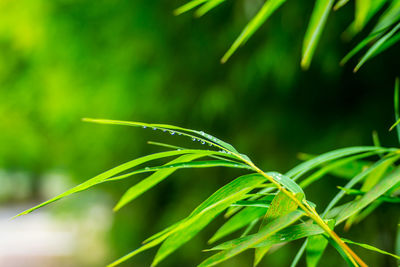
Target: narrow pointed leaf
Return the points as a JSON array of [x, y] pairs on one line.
[[315, 247], [188, 6], [195, 135], [304, 167], [185, 165], [333, 167], [153, 179], [270, 229], [356, 180], [106, 175], [372, 248], [239, 220], [207, 7], [288, 234], [317, 23], [374, 49], [280, 205], [381, 188], [397, 106], [265, 12], [207, 211]]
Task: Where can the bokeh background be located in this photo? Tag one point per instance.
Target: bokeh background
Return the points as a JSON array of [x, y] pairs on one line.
[[63, 60]]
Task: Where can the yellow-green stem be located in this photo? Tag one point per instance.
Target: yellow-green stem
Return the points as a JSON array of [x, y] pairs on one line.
[[312, 214]]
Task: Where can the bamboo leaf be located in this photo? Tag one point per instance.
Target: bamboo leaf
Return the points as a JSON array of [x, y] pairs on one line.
[[188, 6], [270, 229], [306, 166], [280, 205], [381, 188], [201, 11], [290, 233], [200, 136], [396, 106], [333, 167], [356, 180], [239, 220], [374, 49], [287, 182], [152, 180], [184, 165], [315, 248], [389, 17], [339, 4], [207, 211], [372, 248], [106, 175], [317, 22], [265, 12]]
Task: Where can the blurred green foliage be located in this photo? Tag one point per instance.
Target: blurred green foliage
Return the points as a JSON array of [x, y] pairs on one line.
[[133, 60]]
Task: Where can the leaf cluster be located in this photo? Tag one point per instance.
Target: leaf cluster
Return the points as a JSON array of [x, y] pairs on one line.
[[382, 16]]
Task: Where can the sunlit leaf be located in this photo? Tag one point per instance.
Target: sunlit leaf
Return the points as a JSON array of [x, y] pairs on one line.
[[375, 47], [189, 6], [316, 25], [152, 180], [265, 12], [207, 211], [369, 247], [110, 173], [288, 234], [207, 7], [270, 229], [280, 205]]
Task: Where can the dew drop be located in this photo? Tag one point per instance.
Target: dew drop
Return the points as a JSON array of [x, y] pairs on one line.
[[164, 130], [172, 132], [282, 238], [179, 134], [144, 127], [202, 142], [202, 133], [209, 144], [147, 168], [154, 128], [193, 139]]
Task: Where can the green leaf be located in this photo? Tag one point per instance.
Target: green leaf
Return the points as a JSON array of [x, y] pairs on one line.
[[396, 106], [280, 205], [193, 134], [185, 165], [374, 49], [365, 10], [144, 185], [389, 17], [290, 233], [253, 203], [270, 229], [333, 167], [356, 180], [317, 22], [239, 220], [381, 188], [265, 12], [299, 253], [188, 6], [339, 4], [207, 7], [286, 182], [366, 41], [304, 167], [315, 248], [106, 175], [207, 211], [369, 247]]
